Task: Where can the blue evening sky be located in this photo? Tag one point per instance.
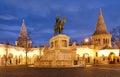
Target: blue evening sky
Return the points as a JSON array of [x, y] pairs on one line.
[[40, 16]]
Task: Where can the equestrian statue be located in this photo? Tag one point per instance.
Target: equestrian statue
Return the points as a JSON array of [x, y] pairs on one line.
[[59, 25]]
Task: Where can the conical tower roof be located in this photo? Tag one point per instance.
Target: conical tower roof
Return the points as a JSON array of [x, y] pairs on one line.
[[23, 39], [101, 26], [23, 31]]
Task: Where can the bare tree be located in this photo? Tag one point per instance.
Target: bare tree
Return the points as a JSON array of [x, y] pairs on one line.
[[115, 34], [6, 49], [116, 37], [27, 47], [71, 42]]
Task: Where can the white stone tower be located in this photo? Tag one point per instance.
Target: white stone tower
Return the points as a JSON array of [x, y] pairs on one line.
[[101, 37]]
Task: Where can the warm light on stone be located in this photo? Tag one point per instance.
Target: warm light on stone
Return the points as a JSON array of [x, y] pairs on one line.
[[98, 49], [86, 40]]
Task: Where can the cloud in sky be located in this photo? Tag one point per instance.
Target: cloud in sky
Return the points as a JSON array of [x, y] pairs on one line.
[[34, 7], [48, 31], [44, 8], [40, 17], [9, 28], [7, 17], [76, 34], [8, 35]]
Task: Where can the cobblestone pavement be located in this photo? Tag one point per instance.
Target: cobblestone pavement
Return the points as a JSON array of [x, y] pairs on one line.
[[92, 71]]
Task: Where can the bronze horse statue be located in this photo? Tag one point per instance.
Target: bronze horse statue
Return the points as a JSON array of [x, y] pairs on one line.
[[59, 26]]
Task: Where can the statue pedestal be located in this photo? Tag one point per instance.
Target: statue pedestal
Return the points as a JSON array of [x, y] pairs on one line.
[[59, 41]]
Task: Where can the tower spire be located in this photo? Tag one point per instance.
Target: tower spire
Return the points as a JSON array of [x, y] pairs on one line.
[[101, 37], [101, 26], [23, 20], [100, 10], [23, 39], [23, 31]]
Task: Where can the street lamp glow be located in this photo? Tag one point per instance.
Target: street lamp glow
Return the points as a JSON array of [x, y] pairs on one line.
[[86, 40]]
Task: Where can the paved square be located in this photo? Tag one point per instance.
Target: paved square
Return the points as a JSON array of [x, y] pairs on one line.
[[94, 71]]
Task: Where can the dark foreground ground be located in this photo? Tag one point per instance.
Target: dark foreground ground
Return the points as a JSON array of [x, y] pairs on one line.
[[92, 71]]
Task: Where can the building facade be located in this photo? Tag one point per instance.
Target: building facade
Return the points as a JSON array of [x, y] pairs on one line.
[[60, 53], [100, 50]]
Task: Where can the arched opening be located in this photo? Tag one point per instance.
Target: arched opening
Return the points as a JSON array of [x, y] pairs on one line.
[[64, 43], [20, 59], [10, 56], [51, 44], [103, 57], [3, 59], [56, 44], [35, 58], [104, 41], [111, 58], [86, 58]]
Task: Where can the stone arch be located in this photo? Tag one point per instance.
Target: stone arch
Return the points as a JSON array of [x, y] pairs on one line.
[[20, 56], [35, 57], [3, 59], [99, 41], [52, 45], [95, 41], [10, 56], [20, 59], [4, 56], [64, 43], [56, 44], [77, 56], [86, 57], [103, 57], [104, 41], [108, 41], [111, 58]]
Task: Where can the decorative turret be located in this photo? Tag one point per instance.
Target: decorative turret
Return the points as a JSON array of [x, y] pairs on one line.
[[101, 26], [23, 31], [23, 39], [101, 36]]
